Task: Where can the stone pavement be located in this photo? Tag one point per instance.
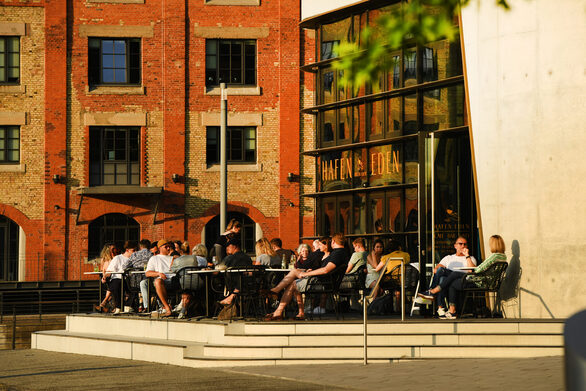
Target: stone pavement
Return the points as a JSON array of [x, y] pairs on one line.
[[26, 370]]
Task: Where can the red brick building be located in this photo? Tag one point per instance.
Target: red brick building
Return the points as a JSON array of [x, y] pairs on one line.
[[109, 117]]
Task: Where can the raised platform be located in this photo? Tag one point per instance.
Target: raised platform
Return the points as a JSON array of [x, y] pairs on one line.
[[209, 343]]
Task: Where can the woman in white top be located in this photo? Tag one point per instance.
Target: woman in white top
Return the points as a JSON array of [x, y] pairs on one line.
[[374, 265]]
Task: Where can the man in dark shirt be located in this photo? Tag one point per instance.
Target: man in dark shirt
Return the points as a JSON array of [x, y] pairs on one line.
[[277, 245], [235, 259]]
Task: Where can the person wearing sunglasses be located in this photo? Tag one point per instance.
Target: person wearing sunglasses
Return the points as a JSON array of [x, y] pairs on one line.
[[158, 268], [450, 268]]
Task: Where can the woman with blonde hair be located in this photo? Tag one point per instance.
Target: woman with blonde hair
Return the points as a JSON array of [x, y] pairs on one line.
[[106, 256], [265, 255], [200, 252]]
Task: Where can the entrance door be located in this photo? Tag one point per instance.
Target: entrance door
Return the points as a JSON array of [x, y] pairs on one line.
[[8, 249], [447, 196]]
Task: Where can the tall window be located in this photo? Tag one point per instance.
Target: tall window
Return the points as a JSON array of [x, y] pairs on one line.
[[114, 61], [240, 145], [114, 156], [230, 62], [9, 60], [111, 228], [9, 231], [9, 144]]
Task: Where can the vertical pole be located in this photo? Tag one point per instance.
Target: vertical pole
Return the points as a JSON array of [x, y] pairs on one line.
[[365, 331], [13, 328], [403, 289], [223, 168]]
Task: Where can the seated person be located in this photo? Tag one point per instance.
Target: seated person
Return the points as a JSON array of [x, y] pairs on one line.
[[455, 282], [235, 259], [116, 267], [309, 260], [396, 251], [374, 266], [295, 282], [265, 255], [106, 256], [449, 268], [159, 267], [200, 252], [184, 260], [277, 245], [140, 258], [358, 258]]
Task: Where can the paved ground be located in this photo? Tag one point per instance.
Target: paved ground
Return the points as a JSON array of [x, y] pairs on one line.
[[26, 370]]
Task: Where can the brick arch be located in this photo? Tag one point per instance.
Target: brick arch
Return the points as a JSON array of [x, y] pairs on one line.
[[33, 231]]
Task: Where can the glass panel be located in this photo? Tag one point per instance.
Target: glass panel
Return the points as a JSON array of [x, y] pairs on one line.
[[108, 75], [394, 211], [327, 85], [329, 121], [385, 165], [359, 218], [359, 123], [12, 143], [13, 156], [376, 212], [119, 47], [14, 59], [2, 44], [109, 179], [394, 75], [360, 160], [211, 62], [344, 126], [108, 61], [329, 211], [2, 155], [334, 33], [411, 210], [335, 169], [344, 206], [2, 61], [2, 145], [211, 47], [120, 76], [107, 46], [444, 108], [109, 168], [411, 162], [410, 114], [395, 117], [120, 61], [410, 67], [12, 132], [447, 59], [376, 119]]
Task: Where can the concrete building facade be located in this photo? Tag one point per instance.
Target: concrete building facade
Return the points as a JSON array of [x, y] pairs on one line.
[[523, 79]]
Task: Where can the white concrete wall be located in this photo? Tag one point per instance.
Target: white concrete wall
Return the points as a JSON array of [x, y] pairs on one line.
[[526, 71], [315, 7]]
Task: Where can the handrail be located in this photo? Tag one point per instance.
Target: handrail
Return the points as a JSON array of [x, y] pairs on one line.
[[366, 299]]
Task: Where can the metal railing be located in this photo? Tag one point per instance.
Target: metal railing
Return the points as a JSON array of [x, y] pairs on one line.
[[366, 300]]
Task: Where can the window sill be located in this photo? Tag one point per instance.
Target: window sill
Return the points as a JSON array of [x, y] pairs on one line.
[[251, 91], [119, 189], [236, 168], [115, 90], [14, 168], [13, 89], [232, 2]]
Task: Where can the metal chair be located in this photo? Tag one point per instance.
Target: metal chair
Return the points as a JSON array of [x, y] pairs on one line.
[[327, 284], [479, 286]]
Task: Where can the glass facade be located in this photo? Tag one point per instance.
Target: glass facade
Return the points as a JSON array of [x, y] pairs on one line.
[[395, 163]]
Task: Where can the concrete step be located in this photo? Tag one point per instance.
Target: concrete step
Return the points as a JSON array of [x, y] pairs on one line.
[[212, 343]]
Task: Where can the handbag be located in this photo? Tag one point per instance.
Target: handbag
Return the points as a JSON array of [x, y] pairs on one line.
[[228, 312]]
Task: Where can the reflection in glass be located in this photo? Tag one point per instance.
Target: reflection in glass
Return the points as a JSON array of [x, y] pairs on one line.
[[359, 123], [410, 114], [376, 119], [329, 210], [411, 162], [344, 206], [394, 211], [335, 170], [359, 218], [395, 117], [332, 34], [411, 222], [376, 212], [327, 86], [329, 121], [385, 165], [344, 125], [448, 59], [410, 67], [445, 111], [360, 159]]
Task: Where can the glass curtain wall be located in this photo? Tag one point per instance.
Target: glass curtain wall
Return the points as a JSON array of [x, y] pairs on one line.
[[393, 158]]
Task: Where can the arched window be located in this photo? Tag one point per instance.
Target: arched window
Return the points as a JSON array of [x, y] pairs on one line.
[[112, 227], [247, 233], [8, 249]]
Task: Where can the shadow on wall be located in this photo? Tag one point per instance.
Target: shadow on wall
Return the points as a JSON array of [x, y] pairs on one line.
[[511, 285]]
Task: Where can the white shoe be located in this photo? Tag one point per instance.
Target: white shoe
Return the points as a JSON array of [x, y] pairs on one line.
[[441, 312], [319, 311], [178, 307], [128, 309], [116, 311], [181, 315]]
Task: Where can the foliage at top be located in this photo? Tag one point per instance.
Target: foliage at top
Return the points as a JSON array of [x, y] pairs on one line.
[[415, 21]]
